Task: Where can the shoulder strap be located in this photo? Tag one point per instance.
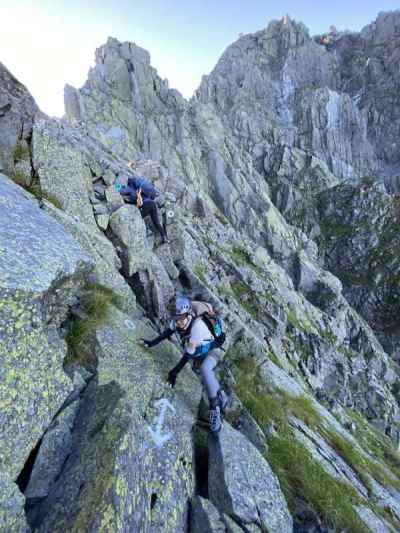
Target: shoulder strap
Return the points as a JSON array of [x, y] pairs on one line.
[[208, 323], [211, 323]]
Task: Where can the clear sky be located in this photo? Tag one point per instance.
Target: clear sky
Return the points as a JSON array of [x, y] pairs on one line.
[[48, 43]]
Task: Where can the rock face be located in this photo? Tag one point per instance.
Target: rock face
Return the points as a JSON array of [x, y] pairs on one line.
[[368, 61], [52, 158], [279, 93], [119, 475], [361, 244], [270, 218], [39, 281], [222, 170], [17, 110]]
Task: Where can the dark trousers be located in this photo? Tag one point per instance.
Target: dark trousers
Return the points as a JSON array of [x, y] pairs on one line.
[[149, 207]]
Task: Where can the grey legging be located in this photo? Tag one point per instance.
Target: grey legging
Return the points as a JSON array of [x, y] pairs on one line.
[[208, 377]]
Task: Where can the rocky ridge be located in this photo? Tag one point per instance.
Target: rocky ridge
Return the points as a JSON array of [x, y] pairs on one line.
[[248, 232]]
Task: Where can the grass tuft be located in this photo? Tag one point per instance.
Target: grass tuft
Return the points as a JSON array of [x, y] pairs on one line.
[[301, 477], [19, 178], [21, 152], [267, 406], [35, 189], [95, 301], [200, 271], [382, 448], [241, 256], [52, 199]]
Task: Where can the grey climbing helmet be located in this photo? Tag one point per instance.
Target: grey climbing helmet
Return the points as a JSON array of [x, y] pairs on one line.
[[182, 306]]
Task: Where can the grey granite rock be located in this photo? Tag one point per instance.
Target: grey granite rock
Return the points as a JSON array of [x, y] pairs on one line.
[[123, 473], [12, 514], [242, 484], [39, 281], [62, 169], [17, 111], [204, 517], [54, 449], [128, 227]]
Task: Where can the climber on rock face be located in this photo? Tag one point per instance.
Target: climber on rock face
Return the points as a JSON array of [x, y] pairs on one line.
[[142, 193], [200, 332]]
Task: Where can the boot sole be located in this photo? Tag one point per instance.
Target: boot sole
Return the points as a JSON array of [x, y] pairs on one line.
[[215, 432]]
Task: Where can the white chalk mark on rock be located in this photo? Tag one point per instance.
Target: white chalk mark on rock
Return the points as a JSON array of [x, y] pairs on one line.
[[158, 437], [129, 324]]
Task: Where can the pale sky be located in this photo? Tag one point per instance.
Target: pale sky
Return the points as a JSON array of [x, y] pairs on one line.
[[48, 43]]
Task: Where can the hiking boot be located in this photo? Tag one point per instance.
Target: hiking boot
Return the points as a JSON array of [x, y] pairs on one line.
[[215, 415], [222, 400], [215, 419]]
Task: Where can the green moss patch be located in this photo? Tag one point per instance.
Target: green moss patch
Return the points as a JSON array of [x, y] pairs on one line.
[[245, 298], [241, 256], [200, 271], [302, 324]]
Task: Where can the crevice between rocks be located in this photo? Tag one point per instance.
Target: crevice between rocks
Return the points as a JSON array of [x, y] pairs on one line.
[[87, 439], [201, 456], [24, 476], [153, 500]]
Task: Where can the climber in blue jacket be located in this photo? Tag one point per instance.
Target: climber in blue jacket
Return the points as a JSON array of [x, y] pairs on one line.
[[142, 194]]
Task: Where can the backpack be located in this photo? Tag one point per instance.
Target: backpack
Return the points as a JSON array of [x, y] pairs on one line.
[[213, 322]]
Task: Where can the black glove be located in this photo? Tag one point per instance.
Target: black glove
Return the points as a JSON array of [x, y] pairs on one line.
[[172, 377], [175, 371], [165, 335], [146, 343]]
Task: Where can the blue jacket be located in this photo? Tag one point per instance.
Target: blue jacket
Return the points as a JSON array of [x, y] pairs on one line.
[[136, 183]]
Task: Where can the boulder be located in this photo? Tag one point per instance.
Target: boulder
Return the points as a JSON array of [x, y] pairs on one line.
[[204, 517], [63, 170], [130, 232], [99, 248], [241, 483]]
